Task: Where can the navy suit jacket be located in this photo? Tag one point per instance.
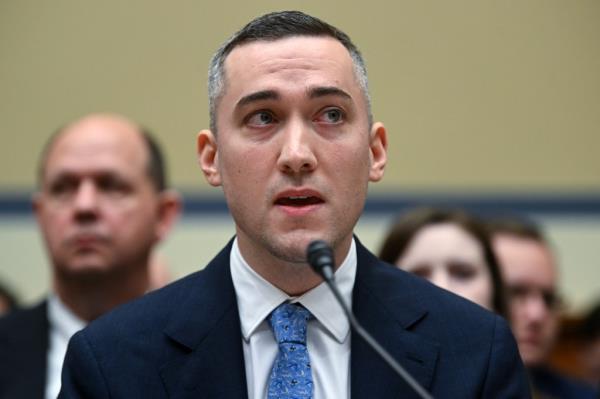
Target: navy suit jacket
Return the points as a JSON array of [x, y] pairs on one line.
[[23, 351], [184, 341]]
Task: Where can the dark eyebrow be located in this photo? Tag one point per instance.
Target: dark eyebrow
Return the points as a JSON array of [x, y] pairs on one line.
[[258, 96], [316, 92]]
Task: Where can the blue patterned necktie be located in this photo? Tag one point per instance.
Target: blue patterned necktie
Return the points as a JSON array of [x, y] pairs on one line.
[[291, 376]]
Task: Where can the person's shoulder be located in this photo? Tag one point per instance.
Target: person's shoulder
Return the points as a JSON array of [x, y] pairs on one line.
[[23, 336], [552, 382], [149, 311], [136, 328], [21, 319], [443, 313], [154, 310], [474, 347], [436, 300], [23, 346]]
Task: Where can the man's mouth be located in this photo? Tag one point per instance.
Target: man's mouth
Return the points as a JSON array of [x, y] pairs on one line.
[[87, 239], [298, 200]]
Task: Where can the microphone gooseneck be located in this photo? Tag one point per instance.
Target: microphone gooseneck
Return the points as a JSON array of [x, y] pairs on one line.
[[321, 259]]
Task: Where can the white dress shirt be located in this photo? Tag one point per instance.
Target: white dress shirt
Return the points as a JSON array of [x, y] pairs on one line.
[[328, 336], [63, 324]]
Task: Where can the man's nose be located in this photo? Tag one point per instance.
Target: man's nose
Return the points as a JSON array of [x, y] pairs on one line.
[[86, 198], [297, 148], [535, 308]]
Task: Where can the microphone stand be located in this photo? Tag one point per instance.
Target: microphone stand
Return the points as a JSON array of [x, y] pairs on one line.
[[320, 258]]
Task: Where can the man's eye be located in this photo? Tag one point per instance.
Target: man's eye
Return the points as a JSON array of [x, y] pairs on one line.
[[331, 115], [62, 187], [260, 118], [518, 291], [112, 185]]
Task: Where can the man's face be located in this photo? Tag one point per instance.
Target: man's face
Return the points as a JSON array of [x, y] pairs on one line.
[[530, 275], [97, 208], [294, 150]]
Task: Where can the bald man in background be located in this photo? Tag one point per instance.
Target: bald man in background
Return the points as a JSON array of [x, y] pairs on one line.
[[102, 206]]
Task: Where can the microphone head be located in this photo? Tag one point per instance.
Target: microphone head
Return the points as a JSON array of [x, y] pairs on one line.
[[319, 255]]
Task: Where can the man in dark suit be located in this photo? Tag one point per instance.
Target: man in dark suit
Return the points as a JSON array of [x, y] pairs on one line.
[[293, 145], [530, 271], [102, 206]]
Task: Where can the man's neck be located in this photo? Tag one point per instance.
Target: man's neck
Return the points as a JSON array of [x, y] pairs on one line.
[[293, 278], [90, 299]]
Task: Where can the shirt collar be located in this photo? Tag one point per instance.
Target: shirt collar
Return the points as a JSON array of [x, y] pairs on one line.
[[256, 297], [61, 319]]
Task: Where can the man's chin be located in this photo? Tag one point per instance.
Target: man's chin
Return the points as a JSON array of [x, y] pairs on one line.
[[90, 267], [531, 356], [289, 250], [292, 247]]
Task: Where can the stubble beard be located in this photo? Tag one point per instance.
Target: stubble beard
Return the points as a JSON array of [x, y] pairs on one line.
[[288, 252]]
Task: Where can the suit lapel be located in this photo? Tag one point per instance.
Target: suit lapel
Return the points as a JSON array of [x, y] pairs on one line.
[[206, 356], [388, 311], [205, 334]]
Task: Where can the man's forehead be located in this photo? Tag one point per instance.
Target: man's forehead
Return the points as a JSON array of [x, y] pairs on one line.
[[86, 148], [323, 49], [524, 258], [294, 63], [517, 246], [315, 40]]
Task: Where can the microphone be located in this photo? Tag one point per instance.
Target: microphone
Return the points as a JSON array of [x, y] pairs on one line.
[[320, 258]]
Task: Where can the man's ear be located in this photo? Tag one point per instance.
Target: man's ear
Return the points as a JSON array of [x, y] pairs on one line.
[[208, 157], [378, 151], [169, 209], [36, 204]]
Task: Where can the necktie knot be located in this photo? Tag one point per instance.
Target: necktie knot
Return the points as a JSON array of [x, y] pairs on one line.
[[289, 322]]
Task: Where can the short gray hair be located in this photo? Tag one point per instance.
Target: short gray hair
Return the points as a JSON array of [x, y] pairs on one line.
[[275, 26]]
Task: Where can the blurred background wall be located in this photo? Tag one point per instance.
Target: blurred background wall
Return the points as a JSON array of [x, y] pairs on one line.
[[491, 105]]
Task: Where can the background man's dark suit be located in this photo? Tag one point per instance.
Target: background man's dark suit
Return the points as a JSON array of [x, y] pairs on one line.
[[23, 351], [185, 341]]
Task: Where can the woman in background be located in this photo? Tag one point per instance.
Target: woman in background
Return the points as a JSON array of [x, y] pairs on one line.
[[451, 249]]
